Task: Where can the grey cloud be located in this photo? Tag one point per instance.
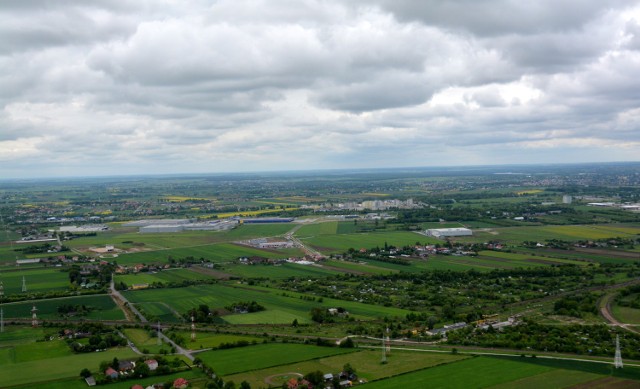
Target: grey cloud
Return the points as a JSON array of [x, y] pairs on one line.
[[499, 17], [389, 91], [179, 86]]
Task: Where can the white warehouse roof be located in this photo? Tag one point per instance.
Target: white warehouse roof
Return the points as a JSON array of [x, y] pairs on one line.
[[438, 232]]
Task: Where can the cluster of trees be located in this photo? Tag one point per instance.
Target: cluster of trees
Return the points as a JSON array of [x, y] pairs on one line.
[[323, 315], [459, 296], [239, 343], [216, 381], [97, 341], [245, 307], [101, 275], [384, 255], [120, 285], [44, 248], [49, 294], [629, 297], [577, 305], [578, 339], [74, 310], [201, 314]]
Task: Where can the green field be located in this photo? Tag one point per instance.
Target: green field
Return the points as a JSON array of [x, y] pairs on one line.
[[15, 335], [196, 378], [341, 243], [31, 371], [365, 268], [366, 363], [279, 308], [164, 276], [626, 315], [284, 270], [541, 233], [144, 341], [222, 252], [105, 308], [212, 245], [528, 259], [128, 237], [608, 257], [213, 340], [241, 359], [506, 372], [325, 228], [552, 379], [476, 372], [37, 279]]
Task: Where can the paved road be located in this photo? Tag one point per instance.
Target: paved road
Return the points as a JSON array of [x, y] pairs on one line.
[[116, 294], [179, 350], [291, 236], [606, 312]]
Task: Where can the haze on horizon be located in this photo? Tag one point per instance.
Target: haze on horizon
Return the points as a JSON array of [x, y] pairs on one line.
[[163, 87]]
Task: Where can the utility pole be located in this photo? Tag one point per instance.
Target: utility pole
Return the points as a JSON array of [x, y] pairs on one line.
[[1, 310], [193, 328], [617, 360], [34, 317]]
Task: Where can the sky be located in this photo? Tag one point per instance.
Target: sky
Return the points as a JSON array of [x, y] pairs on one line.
[[90, 88]]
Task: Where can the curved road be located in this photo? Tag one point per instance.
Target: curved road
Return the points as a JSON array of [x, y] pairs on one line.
[[607, 313]]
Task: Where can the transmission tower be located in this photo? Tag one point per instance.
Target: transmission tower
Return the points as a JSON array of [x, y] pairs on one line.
[[617, 361], [193, 328], [1, 310], [388, 343], [34, 317], [24, 284]]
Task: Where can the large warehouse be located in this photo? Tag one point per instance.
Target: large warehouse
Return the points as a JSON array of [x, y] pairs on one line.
[[445, 232]]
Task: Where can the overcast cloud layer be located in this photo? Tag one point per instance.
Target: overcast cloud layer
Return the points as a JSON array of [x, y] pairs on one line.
[[129, 87]]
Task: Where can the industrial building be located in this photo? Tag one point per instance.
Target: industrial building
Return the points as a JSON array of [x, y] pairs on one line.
[[215, 225], [156, 228], [267, 220], [447, 232], [162, 222], [84, 229]]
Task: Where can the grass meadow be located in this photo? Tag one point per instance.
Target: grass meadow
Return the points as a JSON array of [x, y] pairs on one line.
[[143, 340], [37, 279], [211, 340], [476, 372], [626, 314], [196, 378], [58, 366], [220, 252], [105, 308], [541, 233], [280, 309], [168, 275], [338, 243], [261, 356], [284, 270], [366, 362]]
